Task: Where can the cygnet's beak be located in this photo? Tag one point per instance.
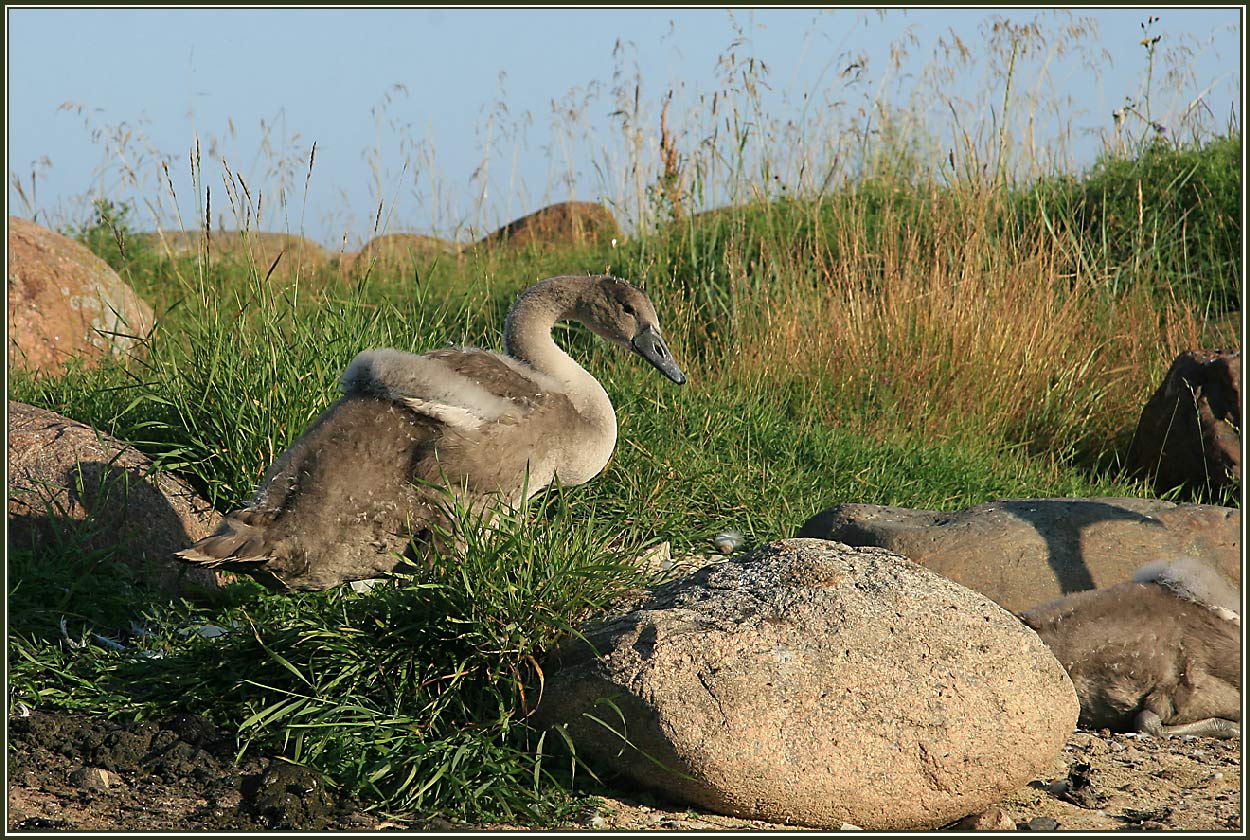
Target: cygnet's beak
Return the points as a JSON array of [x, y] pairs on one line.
[[650, 345]]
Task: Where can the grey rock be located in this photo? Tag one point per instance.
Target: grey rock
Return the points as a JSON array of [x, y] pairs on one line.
[[1189, 433], [69, 482], [815, 684], [1023, 552]]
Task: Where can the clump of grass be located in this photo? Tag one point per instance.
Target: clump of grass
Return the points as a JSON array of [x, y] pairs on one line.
[[413, 696], [110, 234], [417, 695], [1168, 219], [954, 329], [973, 311]]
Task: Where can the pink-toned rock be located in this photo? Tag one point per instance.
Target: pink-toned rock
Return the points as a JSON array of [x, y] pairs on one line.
[[397, 252], [815, 684], [289, 255], [1189, 434], [992, 819], [66, 303], [566, 223], [69, 482], [1023, 552]]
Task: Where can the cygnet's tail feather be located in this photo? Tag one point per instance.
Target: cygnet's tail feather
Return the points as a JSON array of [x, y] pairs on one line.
[[236, 543], [1195, 581]]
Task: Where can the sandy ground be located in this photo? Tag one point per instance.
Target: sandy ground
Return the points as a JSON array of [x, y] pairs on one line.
[[68, 773]]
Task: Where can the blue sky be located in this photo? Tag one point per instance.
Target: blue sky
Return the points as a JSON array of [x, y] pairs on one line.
[[407, 105]]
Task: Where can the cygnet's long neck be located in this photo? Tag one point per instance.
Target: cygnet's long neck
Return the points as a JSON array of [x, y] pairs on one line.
[[527, 336]]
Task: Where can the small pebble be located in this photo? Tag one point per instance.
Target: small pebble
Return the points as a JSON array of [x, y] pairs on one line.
[[992, 819], [94, 778]]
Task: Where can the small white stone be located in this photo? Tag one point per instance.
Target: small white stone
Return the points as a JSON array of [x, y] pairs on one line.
[[727, 542]]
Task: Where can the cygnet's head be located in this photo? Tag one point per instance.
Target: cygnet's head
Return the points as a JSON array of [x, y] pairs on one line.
[[623, 314]]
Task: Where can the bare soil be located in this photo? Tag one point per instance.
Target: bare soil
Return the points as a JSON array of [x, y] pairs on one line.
[[180, 774]]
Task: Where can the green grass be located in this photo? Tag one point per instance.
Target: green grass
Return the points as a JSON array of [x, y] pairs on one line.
[[411, 696], [1169, 218]]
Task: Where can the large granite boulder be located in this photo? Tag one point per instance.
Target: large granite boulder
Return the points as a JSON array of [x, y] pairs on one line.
[[815, 684], [1189, 434], [69, 482], [393, 253], [289, 255], [563, 224], [66, 303], [1022, 552]]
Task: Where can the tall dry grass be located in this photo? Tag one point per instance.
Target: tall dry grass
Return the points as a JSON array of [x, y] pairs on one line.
[[956, 328]]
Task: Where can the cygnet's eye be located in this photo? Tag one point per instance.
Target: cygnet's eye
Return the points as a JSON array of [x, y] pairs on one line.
[[629, 309]]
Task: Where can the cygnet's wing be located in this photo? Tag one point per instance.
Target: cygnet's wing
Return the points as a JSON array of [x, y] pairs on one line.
[[338, 505], [1193, 580]]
